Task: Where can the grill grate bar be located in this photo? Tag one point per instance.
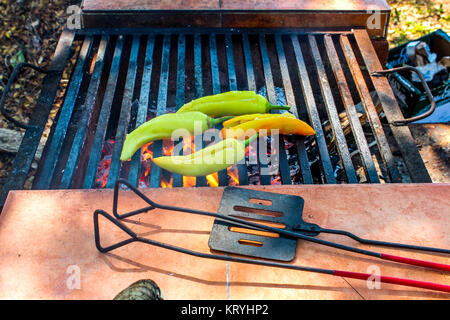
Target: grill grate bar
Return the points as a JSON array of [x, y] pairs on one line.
[[313, 112], [109, 74], [333, 116], [177, 178], [48, 168], [242, 168], [271, 95], [248, 63], [181, 70], [161, 109], [290, 100], [372, 114], [402, 134], [215, 77], [214, 64], [364, 150], [230, 62], [198, 142], [90, 102], [262, 161], [124, 117], [104, 117], [141, 116]]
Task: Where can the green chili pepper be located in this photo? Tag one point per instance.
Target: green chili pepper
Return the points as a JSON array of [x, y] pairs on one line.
[[233, 103], [211, 159], [163, 126]]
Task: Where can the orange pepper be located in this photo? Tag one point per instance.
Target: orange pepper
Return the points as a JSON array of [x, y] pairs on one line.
[[248, 117], [284, 124]]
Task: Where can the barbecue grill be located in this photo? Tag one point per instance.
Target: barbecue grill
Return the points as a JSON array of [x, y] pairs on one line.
[[124, 77]]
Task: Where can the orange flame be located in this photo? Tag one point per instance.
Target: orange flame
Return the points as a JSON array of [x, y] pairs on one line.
[[213, 179], [275, 180], [233, 173], [168, 147], [101, 177], [167, 182], [104, 172], [147, 153], [189, 181], [188, 148]]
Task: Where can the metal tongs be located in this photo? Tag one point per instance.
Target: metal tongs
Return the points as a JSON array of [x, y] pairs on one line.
[[282, 232], [430, 97]]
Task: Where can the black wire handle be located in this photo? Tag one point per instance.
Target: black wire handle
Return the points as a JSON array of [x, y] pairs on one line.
[[339, 273], [230, 219], [425, 86], [283, 232], [380, 243], [11, 80], [133, 237]]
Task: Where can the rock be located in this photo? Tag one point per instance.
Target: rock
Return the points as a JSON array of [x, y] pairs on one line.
[[141, 290], [10, 141]]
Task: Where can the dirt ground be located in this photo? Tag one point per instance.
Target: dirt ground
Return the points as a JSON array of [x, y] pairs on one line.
[[433, 141], [29, 30]]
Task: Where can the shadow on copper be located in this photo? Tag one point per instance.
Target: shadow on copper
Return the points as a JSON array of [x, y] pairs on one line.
[[282, 232]]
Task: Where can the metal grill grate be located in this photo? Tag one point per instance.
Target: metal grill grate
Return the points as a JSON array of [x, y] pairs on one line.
[[122, 80]]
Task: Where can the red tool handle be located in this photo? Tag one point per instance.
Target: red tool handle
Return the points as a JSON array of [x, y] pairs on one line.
[[399, 281], [421, 263]]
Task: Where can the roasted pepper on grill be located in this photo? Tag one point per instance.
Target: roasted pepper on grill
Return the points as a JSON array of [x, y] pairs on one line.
[[211, 159], [285, 124], [248, 117], [163, 126], [231, 103]]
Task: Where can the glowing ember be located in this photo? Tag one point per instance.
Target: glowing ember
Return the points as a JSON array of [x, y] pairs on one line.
[[168, 146], [234, 176], [146, 165], [103, 173], [104, 165], [275, 180]]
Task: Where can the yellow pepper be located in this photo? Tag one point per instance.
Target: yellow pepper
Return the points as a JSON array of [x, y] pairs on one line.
[[211, 159], [285, 124], [232, 103], [163, 126], [248, 117]]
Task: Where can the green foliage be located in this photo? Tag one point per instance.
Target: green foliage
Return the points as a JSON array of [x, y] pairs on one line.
[[411, 19]]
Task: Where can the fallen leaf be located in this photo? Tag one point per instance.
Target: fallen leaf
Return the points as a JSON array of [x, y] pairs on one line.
[[17, 59]]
